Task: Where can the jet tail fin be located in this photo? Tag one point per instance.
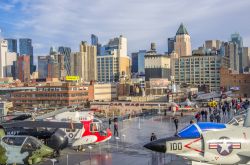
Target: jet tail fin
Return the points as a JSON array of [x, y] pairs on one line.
[[247, 119]]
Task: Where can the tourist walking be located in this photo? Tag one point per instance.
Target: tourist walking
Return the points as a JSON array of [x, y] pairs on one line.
[[153, 137], [116, 133], [176, 122]]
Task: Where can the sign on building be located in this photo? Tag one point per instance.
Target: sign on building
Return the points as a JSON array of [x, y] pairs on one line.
[[72, 78]]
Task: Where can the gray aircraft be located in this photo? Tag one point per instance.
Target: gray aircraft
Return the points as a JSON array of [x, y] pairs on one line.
[[209, 143], [22, 150]]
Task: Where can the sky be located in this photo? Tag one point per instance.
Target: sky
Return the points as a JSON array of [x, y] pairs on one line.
[[67, 22]]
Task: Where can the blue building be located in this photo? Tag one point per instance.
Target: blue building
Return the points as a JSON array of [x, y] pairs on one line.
[[12, 45], [134, 68], [138, 62], [141, 62], [66, 51], [171, 44], [26, 48], [94, 41]]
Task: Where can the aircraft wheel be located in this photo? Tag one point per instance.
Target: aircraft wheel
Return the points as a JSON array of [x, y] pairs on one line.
[[56, 153]]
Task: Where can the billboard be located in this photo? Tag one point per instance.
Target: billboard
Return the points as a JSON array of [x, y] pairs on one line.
[[72, 78], [159, 83]]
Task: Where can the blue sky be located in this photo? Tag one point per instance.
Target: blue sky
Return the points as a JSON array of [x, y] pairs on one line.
[[67, 22]]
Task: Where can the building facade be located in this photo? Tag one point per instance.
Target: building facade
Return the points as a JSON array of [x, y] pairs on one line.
[[232, 80], [3, 55], [200, 70], [43, 62], [26, 48], [171, 42], [23, 68], [113, 63], [65, 52], [134, 67], [157, 65], [237, 39], [56, 66], [182, 45], [141, 62], [84, 62], [213, 44], [51, 95], [246, 57], [102, 92], [230, 50], [12, 45], [95, 42], [10, 60]]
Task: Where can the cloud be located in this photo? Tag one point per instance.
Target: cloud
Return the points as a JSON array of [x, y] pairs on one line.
[[67, 22]]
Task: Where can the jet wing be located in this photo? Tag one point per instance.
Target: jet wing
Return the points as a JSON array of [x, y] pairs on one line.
[[246, 153], [43, 124]]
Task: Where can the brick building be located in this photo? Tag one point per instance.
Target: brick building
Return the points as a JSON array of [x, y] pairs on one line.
[[23, 68], [230, 79], [51, 95]]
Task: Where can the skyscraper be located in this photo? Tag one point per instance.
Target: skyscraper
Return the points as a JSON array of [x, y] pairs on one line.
[[12, 45], [84, 62], [134, 67], [141, 62], [23, 68], [171, 44], [237, 39], [3, 54], [182, 45], [230, 50], [138, 62], [43, 62], [26, 48], [94, 41], [246, 57], [66, 51]]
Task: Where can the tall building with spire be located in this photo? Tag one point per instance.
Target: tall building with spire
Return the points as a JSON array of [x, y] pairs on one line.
[[182, 45]]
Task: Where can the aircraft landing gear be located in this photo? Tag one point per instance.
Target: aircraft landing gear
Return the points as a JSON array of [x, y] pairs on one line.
[[80, 148], [56, 153]]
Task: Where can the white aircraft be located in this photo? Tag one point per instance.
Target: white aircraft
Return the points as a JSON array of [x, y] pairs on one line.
[[212, 95]]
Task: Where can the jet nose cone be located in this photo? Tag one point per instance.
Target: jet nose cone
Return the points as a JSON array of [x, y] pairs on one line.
[[158, 145]]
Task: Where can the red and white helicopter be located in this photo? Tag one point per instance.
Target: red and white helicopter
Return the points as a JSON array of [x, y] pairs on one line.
[[92, 131]]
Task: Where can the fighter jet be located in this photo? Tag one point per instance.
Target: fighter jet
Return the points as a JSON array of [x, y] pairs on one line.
[[22, 150], [209, 143]]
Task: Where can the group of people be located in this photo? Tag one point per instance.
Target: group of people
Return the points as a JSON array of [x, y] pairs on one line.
[[227, 108]]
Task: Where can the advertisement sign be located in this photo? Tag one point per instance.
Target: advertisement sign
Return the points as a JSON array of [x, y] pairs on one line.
[[159, 83], [72, 78]]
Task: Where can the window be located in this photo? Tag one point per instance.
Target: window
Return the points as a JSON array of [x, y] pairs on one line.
[[16, 141], [95, 127]]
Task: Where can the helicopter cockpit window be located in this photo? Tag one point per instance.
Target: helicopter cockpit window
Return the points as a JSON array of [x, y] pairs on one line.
[[31, 144], [15, 141], [95, 127]]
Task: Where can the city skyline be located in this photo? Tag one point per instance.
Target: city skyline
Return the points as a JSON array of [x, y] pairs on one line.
[[49, 23]]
